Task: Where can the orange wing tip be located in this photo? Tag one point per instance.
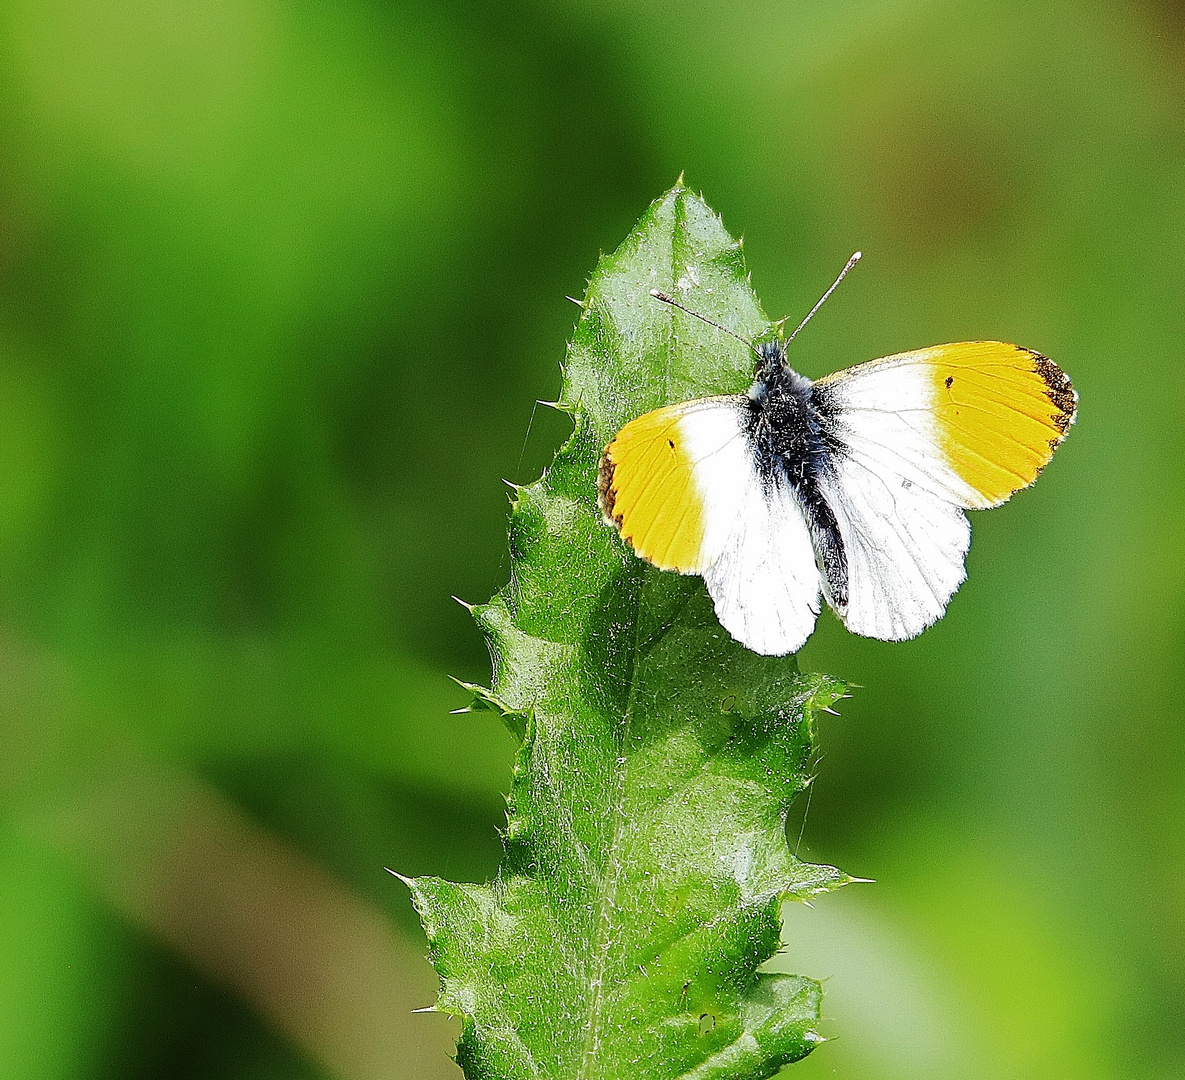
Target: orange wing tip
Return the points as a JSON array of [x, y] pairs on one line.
[[658, 538], [1002, 411]]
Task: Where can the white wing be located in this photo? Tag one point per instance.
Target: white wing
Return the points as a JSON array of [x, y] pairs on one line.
[[897, 499], [905, 548], [765, 583]]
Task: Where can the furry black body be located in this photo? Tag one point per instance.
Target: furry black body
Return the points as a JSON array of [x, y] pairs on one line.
[[792, 431]]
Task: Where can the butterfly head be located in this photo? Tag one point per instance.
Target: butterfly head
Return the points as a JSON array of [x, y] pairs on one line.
[[770, 368]]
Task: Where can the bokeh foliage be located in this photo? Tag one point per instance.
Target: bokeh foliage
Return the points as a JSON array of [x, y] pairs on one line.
[[279, 281]]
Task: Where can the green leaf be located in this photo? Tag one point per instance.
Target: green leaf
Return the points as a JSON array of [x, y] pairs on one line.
[[646, 852]]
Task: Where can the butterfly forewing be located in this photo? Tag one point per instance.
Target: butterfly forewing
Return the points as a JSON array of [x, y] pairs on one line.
[[681, 485], [924, 435], [668, 482], [973, 421]]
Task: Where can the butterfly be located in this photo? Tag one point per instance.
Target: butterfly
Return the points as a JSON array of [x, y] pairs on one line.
[[851, 488]]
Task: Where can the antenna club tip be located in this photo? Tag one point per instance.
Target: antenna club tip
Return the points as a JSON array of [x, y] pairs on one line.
[[857, 256]]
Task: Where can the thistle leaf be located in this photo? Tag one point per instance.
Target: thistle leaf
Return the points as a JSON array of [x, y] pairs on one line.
[[645, 851]]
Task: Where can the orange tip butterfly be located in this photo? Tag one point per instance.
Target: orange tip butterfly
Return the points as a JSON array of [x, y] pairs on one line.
[[852, 488]]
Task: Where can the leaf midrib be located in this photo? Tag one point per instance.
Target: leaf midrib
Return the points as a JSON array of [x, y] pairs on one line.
[[612, 878]]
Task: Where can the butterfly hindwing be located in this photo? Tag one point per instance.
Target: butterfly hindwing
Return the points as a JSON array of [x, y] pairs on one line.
[[765, 583], [905, 548]]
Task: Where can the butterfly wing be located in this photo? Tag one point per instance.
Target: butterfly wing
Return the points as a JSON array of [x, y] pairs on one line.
[[765, 583], [681, 485], [923, 436], [905, 549]]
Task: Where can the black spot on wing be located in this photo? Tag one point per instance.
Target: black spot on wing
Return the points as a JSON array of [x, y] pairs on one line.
[[1058, 389], [606, 492]]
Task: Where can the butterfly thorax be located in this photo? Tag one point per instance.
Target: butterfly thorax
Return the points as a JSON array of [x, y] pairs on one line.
[[791, 431]]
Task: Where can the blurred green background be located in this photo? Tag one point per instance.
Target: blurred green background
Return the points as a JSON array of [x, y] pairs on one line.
[[279, 283]]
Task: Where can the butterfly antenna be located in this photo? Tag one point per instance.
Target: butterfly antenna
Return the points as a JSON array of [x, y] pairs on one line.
[[703, 318], [856, 257]]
